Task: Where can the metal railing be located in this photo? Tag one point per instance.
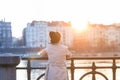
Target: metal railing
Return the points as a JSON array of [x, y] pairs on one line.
[[95, 62]]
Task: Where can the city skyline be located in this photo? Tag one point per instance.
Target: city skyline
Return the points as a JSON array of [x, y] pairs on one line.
[[21, 12]]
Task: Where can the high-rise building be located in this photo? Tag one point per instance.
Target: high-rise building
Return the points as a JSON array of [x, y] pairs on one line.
[[5, 34]]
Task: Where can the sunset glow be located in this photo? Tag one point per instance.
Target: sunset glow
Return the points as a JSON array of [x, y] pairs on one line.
[[79, 26]]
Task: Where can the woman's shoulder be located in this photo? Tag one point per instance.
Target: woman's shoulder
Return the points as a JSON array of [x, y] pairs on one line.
[[57, 45], [64, 46], [48, 45]]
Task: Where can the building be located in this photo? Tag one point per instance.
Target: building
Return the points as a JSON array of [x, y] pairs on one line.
[[65, 29], [36, 33], [5, 34], [99, 36]]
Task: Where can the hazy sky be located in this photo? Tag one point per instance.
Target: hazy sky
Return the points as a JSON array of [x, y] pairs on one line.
[[20, 12]]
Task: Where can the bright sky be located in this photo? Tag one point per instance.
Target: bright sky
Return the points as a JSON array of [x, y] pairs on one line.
[[20, 12]]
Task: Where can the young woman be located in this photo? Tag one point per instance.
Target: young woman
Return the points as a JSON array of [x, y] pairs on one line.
[[56, 53]]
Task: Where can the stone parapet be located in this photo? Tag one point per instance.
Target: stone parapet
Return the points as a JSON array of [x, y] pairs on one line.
[[8, 65]]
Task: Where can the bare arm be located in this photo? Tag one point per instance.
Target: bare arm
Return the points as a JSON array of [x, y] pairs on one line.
[[68, 54], [43, 53]]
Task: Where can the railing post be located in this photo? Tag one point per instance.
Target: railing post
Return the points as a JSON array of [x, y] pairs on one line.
[[8, 67], [72, 69], [93, 71], [29, 69], [114, 69]]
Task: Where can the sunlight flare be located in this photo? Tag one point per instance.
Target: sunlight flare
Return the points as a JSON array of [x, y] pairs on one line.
[[79, 26]]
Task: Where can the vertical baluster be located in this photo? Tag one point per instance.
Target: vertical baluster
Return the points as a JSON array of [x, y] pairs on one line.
[[72, 69], [93, 71], [29, 70], [114, 69]]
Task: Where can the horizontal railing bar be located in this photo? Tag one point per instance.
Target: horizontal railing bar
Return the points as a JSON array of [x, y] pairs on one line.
[[21, 68], [97, 67], [74, 57], [35, 67], [32, 68], [96, 58], [34, 58], [91, 67]]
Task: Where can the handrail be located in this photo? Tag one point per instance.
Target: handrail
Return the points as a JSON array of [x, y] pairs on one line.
[[72, 67]]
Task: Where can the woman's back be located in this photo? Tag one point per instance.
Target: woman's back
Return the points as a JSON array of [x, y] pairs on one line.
[[57, 54]]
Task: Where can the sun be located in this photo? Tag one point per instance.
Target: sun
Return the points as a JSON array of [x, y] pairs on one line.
[[79, 25]]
